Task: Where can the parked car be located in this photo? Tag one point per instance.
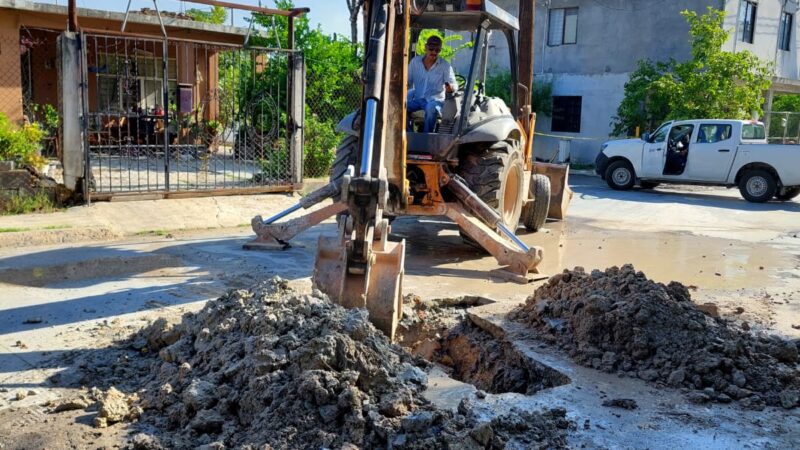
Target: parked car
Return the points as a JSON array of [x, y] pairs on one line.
[[703, 151]]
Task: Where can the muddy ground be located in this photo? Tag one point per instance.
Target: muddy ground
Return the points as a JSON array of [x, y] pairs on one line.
[[60, 303]]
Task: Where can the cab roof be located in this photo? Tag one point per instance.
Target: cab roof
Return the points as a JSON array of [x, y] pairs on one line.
[[470, 20]]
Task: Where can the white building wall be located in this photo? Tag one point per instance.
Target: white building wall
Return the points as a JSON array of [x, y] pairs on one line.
[[765, 40], [601, 94]]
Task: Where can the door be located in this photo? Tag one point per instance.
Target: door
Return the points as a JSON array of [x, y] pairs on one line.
[[653, 152], [711, 155]]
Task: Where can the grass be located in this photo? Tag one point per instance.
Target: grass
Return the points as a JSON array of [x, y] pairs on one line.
[[13, 230], [18, 229], [579, 166], [153, 233], [22, 203]]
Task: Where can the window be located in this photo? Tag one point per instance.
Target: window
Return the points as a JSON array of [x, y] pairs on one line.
[[785, 32], [130, 83], [661, 133], [563, 26], [747, 21], [753, 131], [711, 133], [566, 114]]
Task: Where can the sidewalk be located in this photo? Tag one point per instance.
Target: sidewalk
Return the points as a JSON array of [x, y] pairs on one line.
[[114, 220]]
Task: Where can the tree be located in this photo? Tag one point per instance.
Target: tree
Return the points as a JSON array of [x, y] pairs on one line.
[[786, 103], [354, 6], [216, 15], [712, 84]]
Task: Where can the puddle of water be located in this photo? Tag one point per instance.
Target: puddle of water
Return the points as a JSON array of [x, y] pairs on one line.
[[705, 262], [435, 250]]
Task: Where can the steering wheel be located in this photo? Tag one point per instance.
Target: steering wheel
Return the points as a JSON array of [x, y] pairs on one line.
[[461, 82]]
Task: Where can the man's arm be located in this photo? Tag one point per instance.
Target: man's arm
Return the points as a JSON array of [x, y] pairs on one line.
[[450, 80]]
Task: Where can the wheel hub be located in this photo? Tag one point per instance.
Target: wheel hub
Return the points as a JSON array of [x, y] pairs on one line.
[[621, 176], [757, 186]]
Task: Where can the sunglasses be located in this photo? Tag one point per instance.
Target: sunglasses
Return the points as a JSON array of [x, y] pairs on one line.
[[433, 49]]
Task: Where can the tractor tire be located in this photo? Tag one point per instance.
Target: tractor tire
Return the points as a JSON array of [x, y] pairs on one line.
[[534, 214], [758, 186], [345, 156], [648, 184], [620, 176], [496, 176], [789, 194]]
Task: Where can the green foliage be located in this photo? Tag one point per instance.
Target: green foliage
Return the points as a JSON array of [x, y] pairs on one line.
[[542, 101], [46, 115], [22, 203], [786, 103], [332, 85], [448, 51], [320, 146], [712, 84], [276, 164], [20, 144], [216, 15], [214, 127], [498, 84]]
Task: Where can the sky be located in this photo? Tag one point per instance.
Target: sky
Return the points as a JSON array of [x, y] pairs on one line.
[[332, 15]]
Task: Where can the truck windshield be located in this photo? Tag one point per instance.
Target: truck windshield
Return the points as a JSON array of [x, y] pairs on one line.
[[753, 131]]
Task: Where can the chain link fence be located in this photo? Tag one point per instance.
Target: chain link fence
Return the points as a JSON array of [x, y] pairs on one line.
[[323, 114], [784, 127], [39, 82], [10, 104]]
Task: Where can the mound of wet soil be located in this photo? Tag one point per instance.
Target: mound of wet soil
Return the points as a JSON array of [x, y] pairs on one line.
[[618, 320], [269, 368]]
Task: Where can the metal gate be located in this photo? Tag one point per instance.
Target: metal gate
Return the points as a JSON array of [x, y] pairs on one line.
[[165, 115]]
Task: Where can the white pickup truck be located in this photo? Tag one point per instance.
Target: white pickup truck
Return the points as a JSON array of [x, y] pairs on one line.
[[713, 152]]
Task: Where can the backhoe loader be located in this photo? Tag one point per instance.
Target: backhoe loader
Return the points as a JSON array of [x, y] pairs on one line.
[[476, 168]]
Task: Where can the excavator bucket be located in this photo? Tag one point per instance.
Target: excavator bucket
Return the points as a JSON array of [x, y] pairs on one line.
[[560, 193], [380, 291]]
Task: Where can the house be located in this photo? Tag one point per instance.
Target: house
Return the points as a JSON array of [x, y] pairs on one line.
[[587, 49], [28, 58]]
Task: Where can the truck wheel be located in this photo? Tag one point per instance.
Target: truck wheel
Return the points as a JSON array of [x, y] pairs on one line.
[[496, 176], [788, 194], [345, 156], [757, 186], [620, 176], [534, 214], [648, 184]]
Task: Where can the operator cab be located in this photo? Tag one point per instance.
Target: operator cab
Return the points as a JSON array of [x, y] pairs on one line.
[[474, 21]]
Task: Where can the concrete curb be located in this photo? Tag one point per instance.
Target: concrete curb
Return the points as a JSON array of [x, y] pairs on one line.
[[584, 172], [105, 221]]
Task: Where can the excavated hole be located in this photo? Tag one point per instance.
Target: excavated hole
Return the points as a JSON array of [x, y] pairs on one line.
[[445, 335]]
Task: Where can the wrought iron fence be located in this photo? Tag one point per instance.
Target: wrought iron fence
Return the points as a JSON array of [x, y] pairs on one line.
[[172, 115], [783, 127]]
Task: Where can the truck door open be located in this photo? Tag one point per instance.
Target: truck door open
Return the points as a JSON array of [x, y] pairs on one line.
[[653, 152]]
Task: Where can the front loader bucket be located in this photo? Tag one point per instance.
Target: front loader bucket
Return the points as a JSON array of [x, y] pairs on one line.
[[560, 193], [380, 290]]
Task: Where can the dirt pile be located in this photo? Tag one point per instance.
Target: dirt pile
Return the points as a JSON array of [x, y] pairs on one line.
[[269, 368], [620, 321]]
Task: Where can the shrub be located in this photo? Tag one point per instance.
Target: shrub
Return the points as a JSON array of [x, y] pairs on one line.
[[20, 144], [320, 146], [23, 203]]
